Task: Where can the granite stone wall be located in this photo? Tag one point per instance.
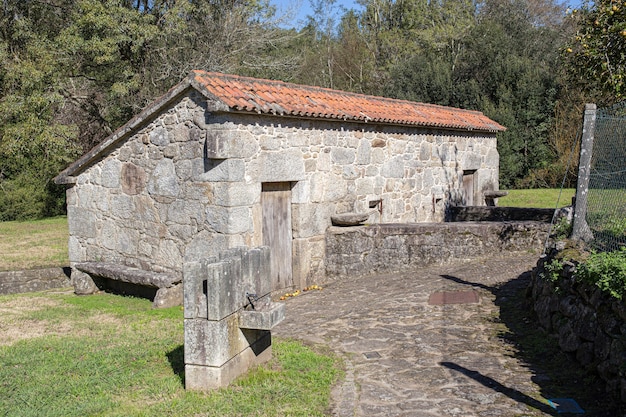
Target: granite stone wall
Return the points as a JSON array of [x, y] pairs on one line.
[[397, 247], [188, 184], [588, 324]]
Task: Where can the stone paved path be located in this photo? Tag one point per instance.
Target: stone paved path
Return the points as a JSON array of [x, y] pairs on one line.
[[404, 357]]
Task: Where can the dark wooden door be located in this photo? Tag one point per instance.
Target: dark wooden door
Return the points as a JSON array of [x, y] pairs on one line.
[[276, 203]]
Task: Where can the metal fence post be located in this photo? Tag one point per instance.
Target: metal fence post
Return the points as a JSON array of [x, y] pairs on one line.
[[580, 229]]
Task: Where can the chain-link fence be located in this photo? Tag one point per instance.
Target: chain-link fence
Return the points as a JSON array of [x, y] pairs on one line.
[[606, 198]]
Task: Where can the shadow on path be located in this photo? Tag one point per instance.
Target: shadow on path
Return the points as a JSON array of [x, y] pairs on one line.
[[496, 386], [555, 372]]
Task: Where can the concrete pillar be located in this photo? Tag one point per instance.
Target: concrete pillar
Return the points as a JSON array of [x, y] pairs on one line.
[[580, 229]]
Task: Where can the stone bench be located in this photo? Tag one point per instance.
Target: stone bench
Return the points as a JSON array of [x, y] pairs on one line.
[[169, 288]]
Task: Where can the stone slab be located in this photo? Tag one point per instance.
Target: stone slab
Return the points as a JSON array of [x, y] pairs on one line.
[[263, 319], [127, 274]]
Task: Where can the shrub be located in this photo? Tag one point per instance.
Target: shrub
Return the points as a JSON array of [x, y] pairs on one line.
[[606, 270]]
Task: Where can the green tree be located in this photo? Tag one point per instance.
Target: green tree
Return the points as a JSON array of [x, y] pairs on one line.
[[595, 56], [34, 142]]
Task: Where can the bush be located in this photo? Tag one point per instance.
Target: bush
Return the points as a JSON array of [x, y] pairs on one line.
[[606, 270]]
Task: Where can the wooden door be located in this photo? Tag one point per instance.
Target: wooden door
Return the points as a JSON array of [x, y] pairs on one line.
[[276, 203], [468, 187]]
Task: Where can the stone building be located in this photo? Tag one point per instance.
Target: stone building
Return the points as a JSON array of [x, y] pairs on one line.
[[222, 161]]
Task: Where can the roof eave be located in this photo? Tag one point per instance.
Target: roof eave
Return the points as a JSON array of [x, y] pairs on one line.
[[495, 128]]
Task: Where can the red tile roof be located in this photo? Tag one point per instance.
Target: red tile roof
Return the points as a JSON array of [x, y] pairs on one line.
[[285, 99], [244, 94]]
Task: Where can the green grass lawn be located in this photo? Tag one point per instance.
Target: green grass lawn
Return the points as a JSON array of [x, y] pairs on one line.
[[106, 355], [538, 198], [34, 244]]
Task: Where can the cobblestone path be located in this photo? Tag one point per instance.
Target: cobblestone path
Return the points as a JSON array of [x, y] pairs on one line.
[[406, 357]]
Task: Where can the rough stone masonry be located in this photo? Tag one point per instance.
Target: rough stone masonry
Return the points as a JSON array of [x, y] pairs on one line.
[[185, 179]]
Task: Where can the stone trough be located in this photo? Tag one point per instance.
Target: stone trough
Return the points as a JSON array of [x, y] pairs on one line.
[[228, 316]]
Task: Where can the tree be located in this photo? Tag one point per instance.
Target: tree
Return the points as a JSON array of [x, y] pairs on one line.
[[35, 144], [594, 56]]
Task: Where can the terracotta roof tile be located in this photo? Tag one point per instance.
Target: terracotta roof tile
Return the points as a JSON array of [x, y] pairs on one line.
[[286, 99]]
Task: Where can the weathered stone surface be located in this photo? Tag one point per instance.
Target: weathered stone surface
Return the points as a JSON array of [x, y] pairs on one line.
[[163, 181], [229, 170], [133, 179], [83, 283], [168, 297], [585, 321], [264, 318], [278, 166], [396, 247], [490, 214], [349, 219], [159, 137], [83, 222], [110, 176], [226, 143], [159, 198], [127, 274], [224, 320], [15, 282]]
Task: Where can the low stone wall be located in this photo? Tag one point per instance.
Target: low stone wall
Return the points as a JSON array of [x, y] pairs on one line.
[[396, 247], [14, 282], [498, 214], [587, 323]]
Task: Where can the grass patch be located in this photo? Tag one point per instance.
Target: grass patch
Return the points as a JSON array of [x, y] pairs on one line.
[[538, 198], [34, 244], [108, 355]]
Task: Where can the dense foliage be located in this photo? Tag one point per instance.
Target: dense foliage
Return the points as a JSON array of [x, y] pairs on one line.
[[72, 71], [606, 270]]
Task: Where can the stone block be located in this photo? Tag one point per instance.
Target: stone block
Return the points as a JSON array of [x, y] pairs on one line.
[[159, 137], [471, 161], [335, 189], [225, 288], [311, 219], [229, 220], [223, 170], [83, 283], [213, 343], [82, 222], [342, 156], [168, 297], [262, 319], [194, 290], [203, 245], [287, 165], [206, 378], [163, 181], [133, 179], [232, 194], [110, 175], [301, 192], [225, 144], [364, 152], [394, 168]]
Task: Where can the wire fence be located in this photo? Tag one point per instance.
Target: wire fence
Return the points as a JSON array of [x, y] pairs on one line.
[[606, 198]]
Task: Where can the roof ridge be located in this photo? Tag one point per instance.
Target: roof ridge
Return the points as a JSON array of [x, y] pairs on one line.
[[325, 89]]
